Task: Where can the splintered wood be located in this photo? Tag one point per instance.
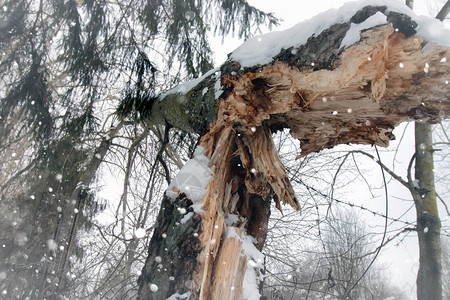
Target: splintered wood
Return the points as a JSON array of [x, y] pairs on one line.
[[267, 175], [230, 269], [379, 82], [247, 173]]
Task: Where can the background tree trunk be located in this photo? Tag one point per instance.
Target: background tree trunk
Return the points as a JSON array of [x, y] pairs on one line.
[[429, 277], [429, 282]]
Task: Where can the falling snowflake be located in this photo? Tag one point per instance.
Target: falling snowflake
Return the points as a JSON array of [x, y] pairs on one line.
[[52, 245], [140, 233], [153, 288], [190, 15]]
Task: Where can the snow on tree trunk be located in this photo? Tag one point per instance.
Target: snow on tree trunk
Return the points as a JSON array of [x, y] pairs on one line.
[[349, 76]]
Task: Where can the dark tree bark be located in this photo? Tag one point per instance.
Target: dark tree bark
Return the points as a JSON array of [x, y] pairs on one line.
[[351, 95], [443, 13], [429, 276], [173, 252]]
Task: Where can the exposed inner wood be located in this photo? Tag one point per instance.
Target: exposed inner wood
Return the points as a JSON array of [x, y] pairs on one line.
[[373, 86], [267, 175], [229, 268], [247, 172]]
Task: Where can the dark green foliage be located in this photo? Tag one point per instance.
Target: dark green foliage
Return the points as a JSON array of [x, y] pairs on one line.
[[139, 97], [42, 212], [245, 15], [12, 21], [30, 100], [81, 50]]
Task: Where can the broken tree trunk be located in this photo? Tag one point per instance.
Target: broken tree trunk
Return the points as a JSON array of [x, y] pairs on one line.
[[327, 91]]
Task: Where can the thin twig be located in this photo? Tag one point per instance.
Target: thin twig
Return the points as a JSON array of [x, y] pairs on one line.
[[443, 202]]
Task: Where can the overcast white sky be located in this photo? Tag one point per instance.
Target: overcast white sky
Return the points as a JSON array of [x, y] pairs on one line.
[[402, 260]]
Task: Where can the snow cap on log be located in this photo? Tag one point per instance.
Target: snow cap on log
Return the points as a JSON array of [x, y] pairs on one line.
[[350, 19]]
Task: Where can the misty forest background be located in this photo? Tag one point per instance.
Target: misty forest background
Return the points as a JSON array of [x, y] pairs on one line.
[[82, 171]]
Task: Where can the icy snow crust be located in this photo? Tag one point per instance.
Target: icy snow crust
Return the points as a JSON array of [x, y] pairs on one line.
[[352, 35], [260, 50], [193, 177]]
